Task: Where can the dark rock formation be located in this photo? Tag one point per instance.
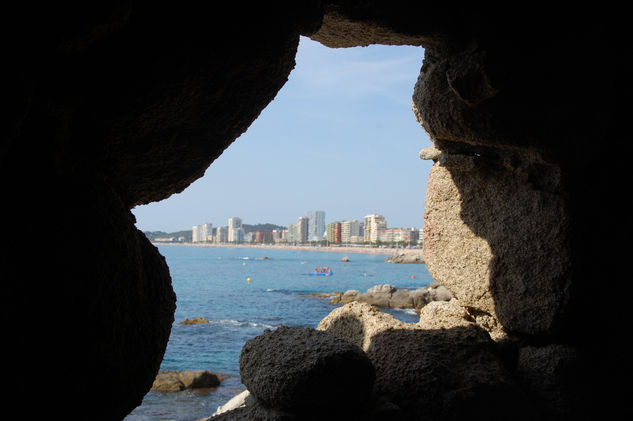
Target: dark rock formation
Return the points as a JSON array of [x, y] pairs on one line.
[[174, 381], [306, 371], [552, 374], [445, 374], [445, 367]]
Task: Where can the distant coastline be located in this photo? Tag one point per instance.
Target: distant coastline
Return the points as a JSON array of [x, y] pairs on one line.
[[332, 249]]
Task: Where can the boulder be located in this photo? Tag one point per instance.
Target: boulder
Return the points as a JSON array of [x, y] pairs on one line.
[[306, 371], [349, 296], [174, 381], [407, 256], [444, 315], [496, 235], [388, 296], [440, 293], [445, 374], [401, 298], [358, 323], [379, 295], [381, 289], [194, 321]]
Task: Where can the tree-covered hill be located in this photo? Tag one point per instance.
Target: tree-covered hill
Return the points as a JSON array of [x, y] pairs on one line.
[[186, 236]]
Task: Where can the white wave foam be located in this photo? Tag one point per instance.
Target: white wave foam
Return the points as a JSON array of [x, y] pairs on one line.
[[237, 323]]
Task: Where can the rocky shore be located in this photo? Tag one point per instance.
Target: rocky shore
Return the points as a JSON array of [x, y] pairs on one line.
[[406, 256], [388, 296], [362, 363]]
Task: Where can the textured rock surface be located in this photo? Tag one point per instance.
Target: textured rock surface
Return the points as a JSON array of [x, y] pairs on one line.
[[388, 296], [194, 321], [499, 242], [444, 315], [445, 374], [358, 323], [307, 371], [174, 381], [408, 256]]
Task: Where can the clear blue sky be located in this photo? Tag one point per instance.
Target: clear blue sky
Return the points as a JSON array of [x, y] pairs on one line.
[[340, 136]]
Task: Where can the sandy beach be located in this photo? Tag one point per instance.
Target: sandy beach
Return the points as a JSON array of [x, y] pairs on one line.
[[331, 249]]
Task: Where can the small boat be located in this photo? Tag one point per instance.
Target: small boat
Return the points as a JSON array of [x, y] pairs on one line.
[[322, 271]]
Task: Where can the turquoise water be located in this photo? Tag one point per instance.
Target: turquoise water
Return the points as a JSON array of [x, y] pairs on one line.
[[212, 283]]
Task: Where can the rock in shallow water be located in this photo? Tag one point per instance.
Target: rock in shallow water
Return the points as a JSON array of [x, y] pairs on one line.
[[173, 381]]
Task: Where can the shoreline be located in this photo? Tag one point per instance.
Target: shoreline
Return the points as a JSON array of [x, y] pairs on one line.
[[342, 249]]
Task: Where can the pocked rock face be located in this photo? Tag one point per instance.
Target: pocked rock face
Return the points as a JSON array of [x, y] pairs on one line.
[[497, 238], [304, 370]]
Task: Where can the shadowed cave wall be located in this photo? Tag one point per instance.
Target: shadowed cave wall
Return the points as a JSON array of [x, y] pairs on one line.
[[110, 107]]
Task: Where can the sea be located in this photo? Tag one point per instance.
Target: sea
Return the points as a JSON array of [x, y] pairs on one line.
[[242, 292]]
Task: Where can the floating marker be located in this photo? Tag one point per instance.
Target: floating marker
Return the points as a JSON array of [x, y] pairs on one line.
[[248, 280], [412, 276]]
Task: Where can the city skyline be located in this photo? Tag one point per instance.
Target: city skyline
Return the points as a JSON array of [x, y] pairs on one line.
[[373, 229], [362, 220], [340, 135]]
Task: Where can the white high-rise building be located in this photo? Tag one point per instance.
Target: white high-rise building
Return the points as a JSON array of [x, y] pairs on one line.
[[375, 225], [236, 232], [316, 225], [221, 235], [349, 229], [195, 234], [206, 232]]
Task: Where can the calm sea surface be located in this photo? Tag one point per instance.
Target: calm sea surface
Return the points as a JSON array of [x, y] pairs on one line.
[[212, 283]]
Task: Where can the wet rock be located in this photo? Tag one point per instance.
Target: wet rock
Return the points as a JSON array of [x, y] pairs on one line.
[[174, 381], [194, 321]]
